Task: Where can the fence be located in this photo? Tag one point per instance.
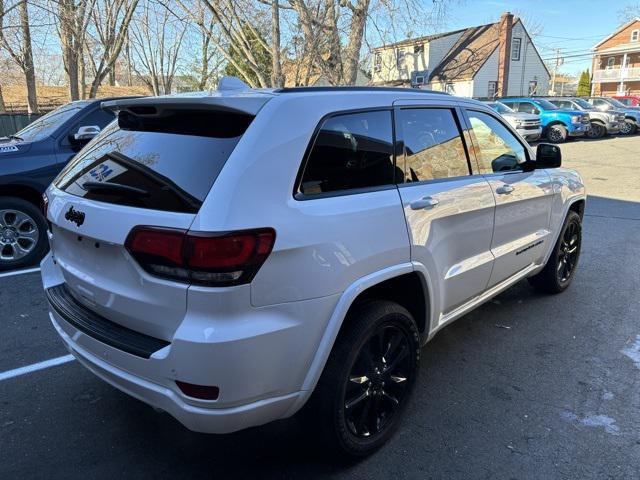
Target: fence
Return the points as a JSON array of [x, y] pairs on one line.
[[10, 123]]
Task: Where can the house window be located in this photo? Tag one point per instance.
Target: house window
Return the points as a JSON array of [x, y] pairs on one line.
[[515, 48], [418, 49], [419, 80], [533, 87], [377, 62], [449, 88], [611, 61], [400, 59], [635, 35], [491, 92]]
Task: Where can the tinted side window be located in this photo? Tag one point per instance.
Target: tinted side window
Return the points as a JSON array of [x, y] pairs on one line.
[[350, 151], [432, 144], [98, 117], [563, 104], [497, 149], [528, 107]]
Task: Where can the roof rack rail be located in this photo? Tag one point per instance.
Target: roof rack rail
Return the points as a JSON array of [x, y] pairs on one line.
[[354, 88]]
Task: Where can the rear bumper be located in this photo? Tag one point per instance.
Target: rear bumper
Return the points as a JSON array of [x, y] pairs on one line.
[[259, 359], [198, 419]]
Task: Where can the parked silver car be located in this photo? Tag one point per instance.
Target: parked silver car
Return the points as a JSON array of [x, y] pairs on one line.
[[526, 124], [602, 122]]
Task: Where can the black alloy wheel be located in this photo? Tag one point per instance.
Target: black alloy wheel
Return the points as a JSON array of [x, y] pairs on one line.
[[568, 252], [364, 388], [377, 383], [558, 273]]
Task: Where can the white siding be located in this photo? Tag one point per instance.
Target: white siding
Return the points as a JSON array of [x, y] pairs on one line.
[[460, 89], [487, 73], [528, 68], [432, 54]]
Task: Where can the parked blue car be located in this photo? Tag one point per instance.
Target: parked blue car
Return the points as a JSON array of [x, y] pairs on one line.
[[29, 161], [557, 123]]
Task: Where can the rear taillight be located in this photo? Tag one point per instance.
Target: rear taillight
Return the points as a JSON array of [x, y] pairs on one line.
[[213, 259]]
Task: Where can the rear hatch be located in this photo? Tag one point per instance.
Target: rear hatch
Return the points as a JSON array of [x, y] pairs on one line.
[[154, 167]]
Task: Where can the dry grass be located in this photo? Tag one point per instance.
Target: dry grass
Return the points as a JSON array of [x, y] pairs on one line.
[[15, 96]]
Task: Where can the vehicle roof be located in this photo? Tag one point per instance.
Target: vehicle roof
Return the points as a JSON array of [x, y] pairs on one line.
[[250, 101]]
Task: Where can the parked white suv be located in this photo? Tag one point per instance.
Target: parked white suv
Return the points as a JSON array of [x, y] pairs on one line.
[[231, 257]]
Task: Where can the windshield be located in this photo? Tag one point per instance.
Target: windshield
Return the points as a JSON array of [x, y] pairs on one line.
[[546, 104], [615, 103], [47, 124], [584, 104], [500, 108]]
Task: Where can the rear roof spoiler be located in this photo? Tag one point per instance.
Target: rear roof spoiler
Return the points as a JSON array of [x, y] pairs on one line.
[[246, 103]]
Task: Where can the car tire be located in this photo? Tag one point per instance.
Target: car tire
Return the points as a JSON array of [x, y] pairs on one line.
[[361, 395], [596, 131], [557, 134], [628, 127], [23, 234], [559, 271]]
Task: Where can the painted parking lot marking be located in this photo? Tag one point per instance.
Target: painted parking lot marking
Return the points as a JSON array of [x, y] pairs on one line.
[[52, 362], [19, 272]]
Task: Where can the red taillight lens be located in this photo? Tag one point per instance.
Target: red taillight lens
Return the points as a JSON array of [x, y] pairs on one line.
[[213, 259], [166, 245], [203, 392]]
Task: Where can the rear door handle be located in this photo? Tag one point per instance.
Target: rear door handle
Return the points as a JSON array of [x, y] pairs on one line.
[[424, 203], [505, 189]]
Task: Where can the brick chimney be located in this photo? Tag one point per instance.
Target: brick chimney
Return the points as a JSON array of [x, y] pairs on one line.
[[504, 52]]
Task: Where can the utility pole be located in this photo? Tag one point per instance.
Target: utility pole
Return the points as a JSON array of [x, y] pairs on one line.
[[555, 71]]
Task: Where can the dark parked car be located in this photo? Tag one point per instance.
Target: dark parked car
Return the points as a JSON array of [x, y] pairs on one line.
[[29, 161]]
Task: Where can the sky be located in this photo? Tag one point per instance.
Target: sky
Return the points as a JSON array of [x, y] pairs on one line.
[[571, 25]]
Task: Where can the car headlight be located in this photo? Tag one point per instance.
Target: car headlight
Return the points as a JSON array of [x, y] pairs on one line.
[[575, 119], [519, 123], [612, 117]]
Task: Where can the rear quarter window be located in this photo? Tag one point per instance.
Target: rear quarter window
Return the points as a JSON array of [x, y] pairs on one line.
[[351, 151], [163, 163]]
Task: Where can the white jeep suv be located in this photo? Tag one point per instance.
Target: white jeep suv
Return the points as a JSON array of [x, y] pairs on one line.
[[231, 257]]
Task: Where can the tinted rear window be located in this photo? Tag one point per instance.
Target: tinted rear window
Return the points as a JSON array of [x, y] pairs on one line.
[[161, 163]]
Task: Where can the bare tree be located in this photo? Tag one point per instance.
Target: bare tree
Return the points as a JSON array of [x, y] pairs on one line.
[[629, 12], [73, 17], [18, 45], [3, 108], [277, 79], [111, 19], [156, 39]]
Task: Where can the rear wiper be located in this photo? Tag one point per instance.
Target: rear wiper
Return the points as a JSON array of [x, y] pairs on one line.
[[113, 188]]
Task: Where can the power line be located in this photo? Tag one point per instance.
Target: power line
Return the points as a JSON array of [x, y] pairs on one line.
[[575, 39], [570, 56]]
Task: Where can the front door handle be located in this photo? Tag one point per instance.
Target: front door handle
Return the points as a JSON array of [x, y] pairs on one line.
[[505, 189], [424, 203]]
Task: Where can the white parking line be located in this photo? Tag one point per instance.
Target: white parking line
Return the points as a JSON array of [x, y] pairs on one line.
[[19, 272], [52, 362]]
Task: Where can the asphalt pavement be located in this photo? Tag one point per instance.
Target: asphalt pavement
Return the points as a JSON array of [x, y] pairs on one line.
[[526, 386]]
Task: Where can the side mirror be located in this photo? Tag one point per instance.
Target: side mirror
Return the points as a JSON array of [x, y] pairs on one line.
[[84, 134], [548, 156]]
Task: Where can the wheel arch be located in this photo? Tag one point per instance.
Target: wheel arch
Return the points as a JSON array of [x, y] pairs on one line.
[[25, 192], [556, 122], [387, 282], [576, 204]]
